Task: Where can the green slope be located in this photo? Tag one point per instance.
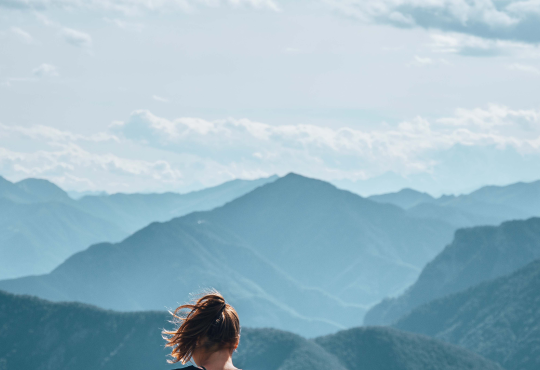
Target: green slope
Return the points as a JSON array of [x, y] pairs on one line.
[[40, 335], [371, 348], [499, 319]]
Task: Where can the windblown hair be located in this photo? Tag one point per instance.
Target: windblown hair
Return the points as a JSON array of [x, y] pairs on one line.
[[209, 323]]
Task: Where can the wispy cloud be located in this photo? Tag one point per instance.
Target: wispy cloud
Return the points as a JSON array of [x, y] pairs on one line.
[[76, 38], [160, 99], [524, 68], [476, 46], [421, 62], [45, 70], [71, 36], [22, 34], [136, 6]]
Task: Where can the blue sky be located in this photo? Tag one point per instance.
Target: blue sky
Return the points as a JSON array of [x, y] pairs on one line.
[[142, 95]]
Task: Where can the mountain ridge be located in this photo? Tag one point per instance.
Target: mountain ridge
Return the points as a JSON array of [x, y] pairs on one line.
[[475, 255]]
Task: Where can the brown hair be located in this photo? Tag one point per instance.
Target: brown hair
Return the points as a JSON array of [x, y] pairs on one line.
[[209, 322]]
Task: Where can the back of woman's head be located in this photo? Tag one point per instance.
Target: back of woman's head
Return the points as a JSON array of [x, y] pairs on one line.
[[209, 323]]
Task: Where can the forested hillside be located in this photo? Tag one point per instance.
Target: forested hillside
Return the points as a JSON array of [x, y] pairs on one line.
[[41, 335], [475, 255], [499, 319]]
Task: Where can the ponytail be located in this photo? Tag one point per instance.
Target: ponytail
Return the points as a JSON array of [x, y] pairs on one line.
[[209, 323]]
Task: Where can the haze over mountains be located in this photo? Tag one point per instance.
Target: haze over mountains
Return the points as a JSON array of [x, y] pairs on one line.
[[298, 243], [41, 335], [347, 245], [475, 255], [41, 226], [295, 254]]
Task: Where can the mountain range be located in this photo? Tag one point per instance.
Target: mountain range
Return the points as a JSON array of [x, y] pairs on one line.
[[499, 319], [475, 255], [42, 335], [41, 226], [489, 205], [314, 254]]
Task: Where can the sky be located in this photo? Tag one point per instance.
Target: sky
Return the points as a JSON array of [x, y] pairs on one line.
[[176, 95]]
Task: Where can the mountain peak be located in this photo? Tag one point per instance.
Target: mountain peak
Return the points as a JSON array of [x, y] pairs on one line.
[[42, 189], [405, 198]]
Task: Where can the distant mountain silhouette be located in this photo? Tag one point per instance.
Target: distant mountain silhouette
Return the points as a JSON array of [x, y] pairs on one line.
[[135, 211], [41, 225], [499, 319], [405, 198], [37, 334], [489, 205], [350, 246], [475, 255], [36, 237]]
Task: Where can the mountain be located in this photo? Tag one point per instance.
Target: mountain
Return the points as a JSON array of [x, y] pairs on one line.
[[144, 270], [43, 191], [37, 237], [522, 196], [297, 243], [457, 217], [387, 348], [9, 190], [489, 205], [41, 335], [476, 254], [352, 247], [499, 319], [135, 211], [405, 198], [41, 225]]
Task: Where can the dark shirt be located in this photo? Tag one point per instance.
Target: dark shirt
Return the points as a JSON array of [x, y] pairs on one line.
[[191, 368]]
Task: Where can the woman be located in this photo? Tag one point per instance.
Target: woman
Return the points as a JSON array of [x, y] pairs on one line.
[[208, 333]]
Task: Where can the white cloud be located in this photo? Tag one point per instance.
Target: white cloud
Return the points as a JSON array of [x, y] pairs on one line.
[[23, 35], [404, 149], [492, 19], [125, 25], [71, 36], [421, 62], [476, 46], [160, 99], [76, 38], [135, 6], [69, 164], [521, 122], [51, 134], [524, 68], [45, 70], [166, 154]]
